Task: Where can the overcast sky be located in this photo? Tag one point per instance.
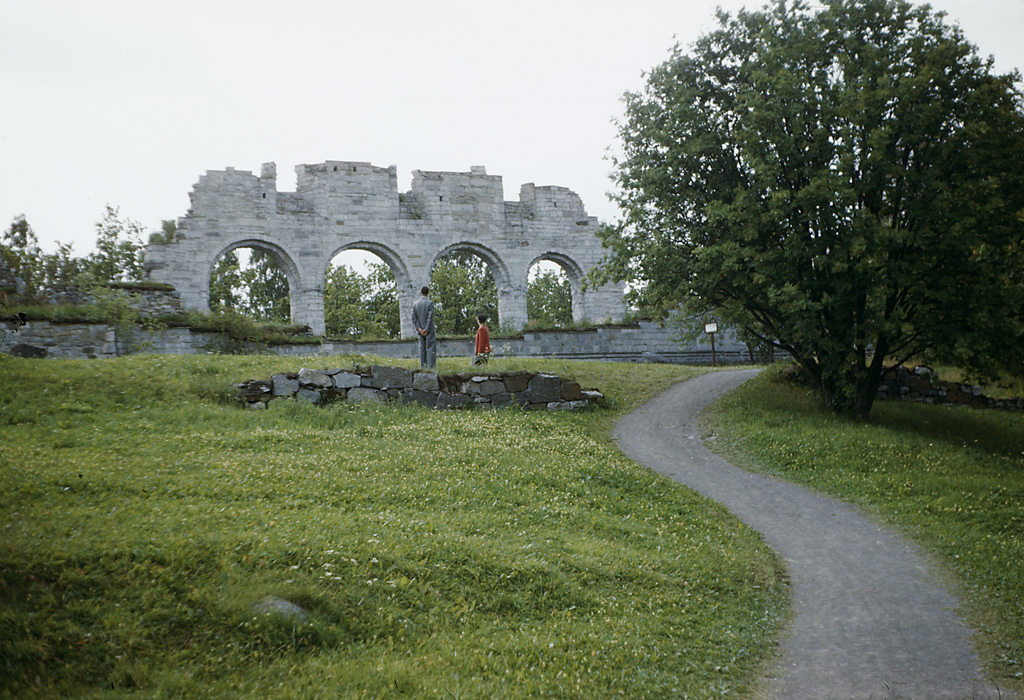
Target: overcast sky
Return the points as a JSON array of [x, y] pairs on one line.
[[128, 102]]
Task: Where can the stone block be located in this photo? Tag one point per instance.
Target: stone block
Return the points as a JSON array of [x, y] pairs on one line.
[[517, 381], [391, 377], [425, 381], [310, 395], [453, 401], [570, 390], [424, 398], [485, 387], [314, 377], [544, 388], [29, 351], [362, 394], [283, 385], [347, 380], [503, 400]]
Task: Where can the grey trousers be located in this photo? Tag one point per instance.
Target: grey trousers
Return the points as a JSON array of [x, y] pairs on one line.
[[428, 351]]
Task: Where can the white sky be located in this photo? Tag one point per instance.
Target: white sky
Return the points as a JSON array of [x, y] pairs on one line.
[[128, 102]]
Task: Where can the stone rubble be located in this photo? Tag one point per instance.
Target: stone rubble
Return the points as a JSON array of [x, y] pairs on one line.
[[379, 383], [922, 384]]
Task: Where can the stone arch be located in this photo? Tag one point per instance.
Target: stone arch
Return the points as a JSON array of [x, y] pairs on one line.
[[284, 259], [494, 261], [511, 296], [390, 257], [399, 268], [575, 275], [341, 205]]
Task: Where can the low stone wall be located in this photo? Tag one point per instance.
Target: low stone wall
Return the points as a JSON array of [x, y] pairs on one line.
[[643, 342], [922, 384], [149, 302], [527, 390], [89, 341]]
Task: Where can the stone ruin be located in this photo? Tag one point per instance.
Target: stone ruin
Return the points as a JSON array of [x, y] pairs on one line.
[[377, 383], [343, 205], [922, 384]]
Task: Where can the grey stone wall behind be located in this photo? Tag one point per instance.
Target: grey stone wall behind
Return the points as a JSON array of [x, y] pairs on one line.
[[149, 302], [645, 342]]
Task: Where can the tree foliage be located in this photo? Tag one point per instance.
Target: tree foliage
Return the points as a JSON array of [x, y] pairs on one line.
[[226, 287], [549, 299], [257, 289], [19, 252], [268, 290], [361, 306], [118, 256], [845, 184], [462, 287], [119, 250]]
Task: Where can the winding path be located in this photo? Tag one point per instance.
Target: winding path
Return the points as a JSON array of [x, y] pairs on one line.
[[871, 620]]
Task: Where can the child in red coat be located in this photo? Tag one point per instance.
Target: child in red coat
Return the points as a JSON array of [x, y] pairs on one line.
[[482, 351]]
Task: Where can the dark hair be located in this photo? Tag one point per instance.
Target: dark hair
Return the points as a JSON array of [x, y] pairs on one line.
[[482, 318], [425, 291]]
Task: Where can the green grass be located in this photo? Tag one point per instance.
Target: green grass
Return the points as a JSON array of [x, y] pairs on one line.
[[462, 554], [953, 479]]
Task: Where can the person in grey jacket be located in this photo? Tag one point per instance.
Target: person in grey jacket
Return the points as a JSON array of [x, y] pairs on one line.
[[423, 322]]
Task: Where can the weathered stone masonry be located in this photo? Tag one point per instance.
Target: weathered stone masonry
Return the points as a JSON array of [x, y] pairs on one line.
[[527, 390], [922, 384], [342, 205], [644, 342]]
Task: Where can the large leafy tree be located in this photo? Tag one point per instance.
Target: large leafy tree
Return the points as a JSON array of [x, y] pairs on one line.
[[462, 286], [845, 183]]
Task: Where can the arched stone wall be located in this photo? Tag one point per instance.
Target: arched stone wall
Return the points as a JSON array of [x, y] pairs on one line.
[[342, 205], [575, 274]]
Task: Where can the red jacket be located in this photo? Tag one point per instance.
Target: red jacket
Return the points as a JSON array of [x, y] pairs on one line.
[[483, 340]]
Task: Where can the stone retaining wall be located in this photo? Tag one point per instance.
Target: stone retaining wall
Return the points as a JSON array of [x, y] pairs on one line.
[[527, 390], [149, 302], [643, 342], [922, 384]]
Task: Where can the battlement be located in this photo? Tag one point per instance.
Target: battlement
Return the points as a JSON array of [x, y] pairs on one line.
[[438, 193], [346, 177], [552, 202]]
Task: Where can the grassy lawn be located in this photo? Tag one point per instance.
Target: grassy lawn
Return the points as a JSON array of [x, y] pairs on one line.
[[438, 554], [952, 479]]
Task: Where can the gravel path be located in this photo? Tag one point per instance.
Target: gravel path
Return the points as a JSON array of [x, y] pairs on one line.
[[871, 620]]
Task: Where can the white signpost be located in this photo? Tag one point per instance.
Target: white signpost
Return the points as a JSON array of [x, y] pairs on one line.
[[711, 329]]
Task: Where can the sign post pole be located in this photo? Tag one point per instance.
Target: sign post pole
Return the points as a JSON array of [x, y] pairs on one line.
[[711, 329]]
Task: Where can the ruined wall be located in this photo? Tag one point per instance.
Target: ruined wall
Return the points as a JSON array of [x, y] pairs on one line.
[[381, 384], [922, 384], [644, 342], [341, 205]]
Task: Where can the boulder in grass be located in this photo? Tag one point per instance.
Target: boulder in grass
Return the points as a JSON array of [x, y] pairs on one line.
[[272, 605]]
